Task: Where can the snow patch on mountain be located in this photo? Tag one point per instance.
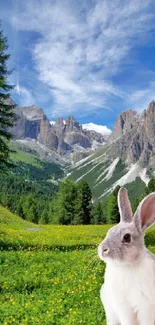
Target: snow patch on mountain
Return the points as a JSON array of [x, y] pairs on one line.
[[134, 171], [109, 170], [96, 161], [112, 168], [90, 170], [144, 177]]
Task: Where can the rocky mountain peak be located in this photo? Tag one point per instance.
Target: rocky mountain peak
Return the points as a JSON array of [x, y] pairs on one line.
[[72, 124], [135, 137], [148, 122], [149, 111], [151, 106], [132, 139], [62, 137], [33, 112], [124, 123], [59, 122], [9, 101]]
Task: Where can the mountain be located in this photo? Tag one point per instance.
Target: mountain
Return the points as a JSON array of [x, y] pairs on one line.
[[63, 138], [133, 137], [128, 157], [100, 129], [32, 123]]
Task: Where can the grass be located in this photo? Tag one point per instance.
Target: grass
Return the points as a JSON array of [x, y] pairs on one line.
[[50, 288], [30, 165], [51, 275], [20, 234], [10, 219], [26, 157]]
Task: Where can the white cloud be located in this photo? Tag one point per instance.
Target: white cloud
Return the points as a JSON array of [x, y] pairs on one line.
[[98, 128], [52, 122], [103, 129], [82, 45], [24, 96], [141, 98]]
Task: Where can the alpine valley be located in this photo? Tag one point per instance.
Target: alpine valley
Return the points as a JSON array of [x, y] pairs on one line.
[[125, 157]]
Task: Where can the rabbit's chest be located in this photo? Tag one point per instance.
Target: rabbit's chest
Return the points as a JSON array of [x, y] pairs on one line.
[[131, 285]]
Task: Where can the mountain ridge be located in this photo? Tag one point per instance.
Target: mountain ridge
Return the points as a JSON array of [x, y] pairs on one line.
[[127, 157], [134, 136], [62, 138]]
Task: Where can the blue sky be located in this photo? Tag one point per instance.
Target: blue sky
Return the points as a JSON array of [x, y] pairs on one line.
[[87, 58]]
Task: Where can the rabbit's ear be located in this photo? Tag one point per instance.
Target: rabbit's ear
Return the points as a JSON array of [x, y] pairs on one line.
[[145, 214], [124, 205]]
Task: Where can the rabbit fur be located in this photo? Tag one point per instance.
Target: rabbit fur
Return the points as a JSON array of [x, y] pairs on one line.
[[128, 292]]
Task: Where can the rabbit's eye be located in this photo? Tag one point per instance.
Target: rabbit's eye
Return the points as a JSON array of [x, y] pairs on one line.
[[127, 238]]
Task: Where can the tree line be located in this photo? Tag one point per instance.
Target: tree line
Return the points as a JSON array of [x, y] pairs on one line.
[[70, 203], [44, 202], [44, 171], [26, 198]]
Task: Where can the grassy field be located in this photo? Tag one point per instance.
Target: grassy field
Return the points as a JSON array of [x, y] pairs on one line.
[[51, 275], [26, 157]]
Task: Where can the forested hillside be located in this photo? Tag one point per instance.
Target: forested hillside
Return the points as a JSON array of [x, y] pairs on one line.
[[27, 198], [68, 203]]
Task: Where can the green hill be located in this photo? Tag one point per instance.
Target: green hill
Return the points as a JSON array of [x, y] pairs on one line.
[[10, 219], [29, 187], [20, 234], [30, 164]]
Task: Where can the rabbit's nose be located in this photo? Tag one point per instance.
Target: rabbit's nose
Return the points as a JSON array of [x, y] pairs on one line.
[[105, 250]]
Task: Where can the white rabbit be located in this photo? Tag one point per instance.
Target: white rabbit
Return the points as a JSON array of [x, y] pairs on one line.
[[128, 293]]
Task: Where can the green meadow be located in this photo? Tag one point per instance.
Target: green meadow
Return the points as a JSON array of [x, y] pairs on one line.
[[51, 275]]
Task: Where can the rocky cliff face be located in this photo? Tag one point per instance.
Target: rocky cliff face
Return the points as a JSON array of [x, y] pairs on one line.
[[70, 133], [94, 136], [62, 137], [32, 123], [133, 137], [124, 124], [128, 157]]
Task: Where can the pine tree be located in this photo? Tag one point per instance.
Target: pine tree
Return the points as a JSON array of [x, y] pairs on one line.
[[64, 204], [98, 216], [112, 211], [44, 217], [151, 186], [7, 115], [30, 209], [149, 189], [83, 204]]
